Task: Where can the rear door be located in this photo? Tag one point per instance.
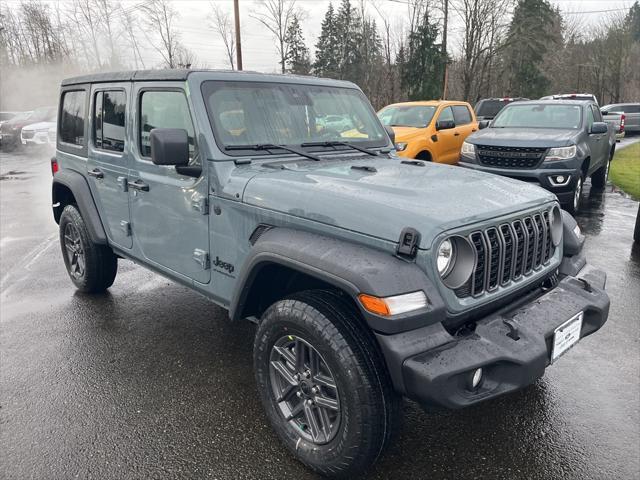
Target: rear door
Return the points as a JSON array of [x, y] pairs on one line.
[[632, 114], [109, 159], [168, 210], [465, 125]]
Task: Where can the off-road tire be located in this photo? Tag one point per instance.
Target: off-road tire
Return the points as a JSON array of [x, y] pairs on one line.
[[100, 263], [369, 408]]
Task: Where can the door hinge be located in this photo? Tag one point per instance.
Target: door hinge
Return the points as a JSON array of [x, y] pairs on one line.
[[125, 227], [201, 205], [124, 185], [202, 258]]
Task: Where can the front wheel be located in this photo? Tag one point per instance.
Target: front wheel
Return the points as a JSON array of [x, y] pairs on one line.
[[576, 199], [323, 383], [91, 267]]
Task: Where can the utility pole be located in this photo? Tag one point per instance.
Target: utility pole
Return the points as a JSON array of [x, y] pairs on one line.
[[236, 12], [445, 80]]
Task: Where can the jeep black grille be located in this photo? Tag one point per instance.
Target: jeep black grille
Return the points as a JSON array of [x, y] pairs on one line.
[[507, 252], [510, 157]]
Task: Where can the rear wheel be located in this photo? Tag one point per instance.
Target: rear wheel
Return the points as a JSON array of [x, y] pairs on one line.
[[91, 267], [323, 383]]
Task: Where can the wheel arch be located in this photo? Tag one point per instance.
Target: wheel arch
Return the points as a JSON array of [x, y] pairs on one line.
[[71, 188], [284, 261], [425, 155]]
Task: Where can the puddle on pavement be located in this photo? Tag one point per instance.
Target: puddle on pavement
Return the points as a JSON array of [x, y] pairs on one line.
[[14, 175]]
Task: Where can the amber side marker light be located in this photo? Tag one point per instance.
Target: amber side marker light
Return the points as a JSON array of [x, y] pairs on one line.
[[395, 305]]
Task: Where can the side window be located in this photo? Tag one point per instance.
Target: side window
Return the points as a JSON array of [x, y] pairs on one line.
[[631, 108], [461, 114], [168, 109], [109, 120], [590, 118], [597, 116], [72, 117], [446, 114]]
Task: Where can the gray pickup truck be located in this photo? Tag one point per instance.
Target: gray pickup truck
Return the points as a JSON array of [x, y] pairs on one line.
[[556, 144], [370, 277], [626, 114]]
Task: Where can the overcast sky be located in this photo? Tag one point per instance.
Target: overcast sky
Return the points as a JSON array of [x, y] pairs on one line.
[[258, 47]]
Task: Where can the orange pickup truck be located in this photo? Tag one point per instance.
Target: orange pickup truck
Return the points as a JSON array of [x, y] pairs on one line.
[[430, 130]]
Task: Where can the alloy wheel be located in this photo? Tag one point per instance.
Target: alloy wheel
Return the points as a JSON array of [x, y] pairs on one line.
[[577, 194], [305, 390], [74, 251]]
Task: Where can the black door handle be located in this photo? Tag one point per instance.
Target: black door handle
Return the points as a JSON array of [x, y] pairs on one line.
[[473, 130], [96, 173], [138, 185], [456, 134]]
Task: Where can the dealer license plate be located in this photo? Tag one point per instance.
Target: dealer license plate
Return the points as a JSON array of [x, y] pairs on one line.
[[566, 336]]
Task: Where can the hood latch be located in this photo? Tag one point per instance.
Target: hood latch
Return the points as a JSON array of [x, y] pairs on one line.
[[408, 243]]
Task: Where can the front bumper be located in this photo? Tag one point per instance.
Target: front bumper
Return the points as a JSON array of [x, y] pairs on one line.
[[440, 374], [543, 176]]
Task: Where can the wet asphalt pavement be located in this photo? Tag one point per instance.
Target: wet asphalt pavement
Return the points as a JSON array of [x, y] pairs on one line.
[[151, 380]]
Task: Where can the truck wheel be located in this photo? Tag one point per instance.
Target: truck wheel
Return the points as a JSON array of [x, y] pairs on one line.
[[91, 267], [599, 178], [574, 206], [323, 383]]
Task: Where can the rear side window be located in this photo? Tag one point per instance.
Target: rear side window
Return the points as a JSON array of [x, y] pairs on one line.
[[489, 108], [461, 114], [72, 117], [631, 108], [109, 120], [164, 109]]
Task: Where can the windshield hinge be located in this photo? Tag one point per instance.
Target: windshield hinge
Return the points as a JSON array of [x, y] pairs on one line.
[[408, 243], [201, 205]]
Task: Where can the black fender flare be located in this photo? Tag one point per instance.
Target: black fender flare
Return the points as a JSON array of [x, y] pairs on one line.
[[350, 267], [79, 188]]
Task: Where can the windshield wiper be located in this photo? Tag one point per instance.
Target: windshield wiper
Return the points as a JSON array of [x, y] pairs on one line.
[[336, 143], [270, 146]]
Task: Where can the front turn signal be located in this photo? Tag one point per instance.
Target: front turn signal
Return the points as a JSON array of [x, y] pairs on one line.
[[395, 305]]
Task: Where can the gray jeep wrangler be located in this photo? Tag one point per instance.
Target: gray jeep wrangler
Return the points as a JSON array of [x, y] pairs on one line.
[[370, 277]]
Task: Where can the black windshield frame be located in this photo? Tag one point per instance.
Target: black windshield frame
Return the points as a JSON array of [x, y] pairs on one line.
[[209, 87]]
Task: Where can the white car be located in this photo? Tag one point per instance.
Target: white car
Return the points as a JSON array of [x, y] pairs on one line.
[[37, 134]]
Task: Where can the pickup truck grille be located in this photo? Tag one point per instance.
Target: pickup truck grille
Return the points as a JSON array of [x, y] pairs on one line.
[[510, 157], [508, 252]]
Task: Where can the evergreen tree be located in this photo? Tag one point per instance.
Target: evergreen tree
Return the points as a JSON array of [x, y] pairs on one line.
[[297, 59], [532, 33], [633, 21], [327, 64], [421, 74]]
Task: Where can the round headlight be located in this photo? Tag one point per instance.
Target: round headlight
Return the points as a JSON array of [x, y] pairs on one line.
[[555, 221], [455, 261], [445, 257]]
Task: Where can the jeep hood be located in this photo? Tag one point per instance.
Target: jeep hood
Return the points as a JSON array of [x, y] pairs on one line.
[[431, 198], [524, 137]]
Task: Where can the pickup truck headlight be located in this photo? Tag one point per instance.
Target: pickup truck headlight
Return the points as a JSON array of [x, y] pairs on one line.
[[455, 260], [561, 153], [468, 149], [401, 146]]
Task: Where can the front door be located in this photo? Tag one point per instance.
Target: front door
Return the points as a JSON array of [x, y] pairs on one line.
[[168, 210], [108, 159], [447, 139]]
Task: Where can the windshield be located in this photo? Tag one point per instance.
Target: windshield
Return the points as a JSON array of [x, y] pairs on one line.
[[490, 108], [258, 113], [538, 116], [417, 116]]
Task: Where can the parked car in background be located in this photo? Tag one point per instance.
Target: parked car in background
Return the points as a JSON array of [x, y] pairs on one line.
[[588, 97], [6, 116], [631, 113], [430, 130], [616, 120], [556, 144], [11, 130], [488, 108], [37, 134]]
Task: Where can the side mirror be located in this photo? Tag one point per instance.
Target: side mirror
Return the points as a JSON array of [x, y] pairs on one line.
[[391, 133], [445, 124], [598, 128], [169, 146], [483, 124]]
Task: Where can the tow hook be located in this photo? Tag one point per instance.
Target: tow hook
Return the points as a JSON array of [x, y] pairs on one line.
[[586, 285], [513, 330]]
